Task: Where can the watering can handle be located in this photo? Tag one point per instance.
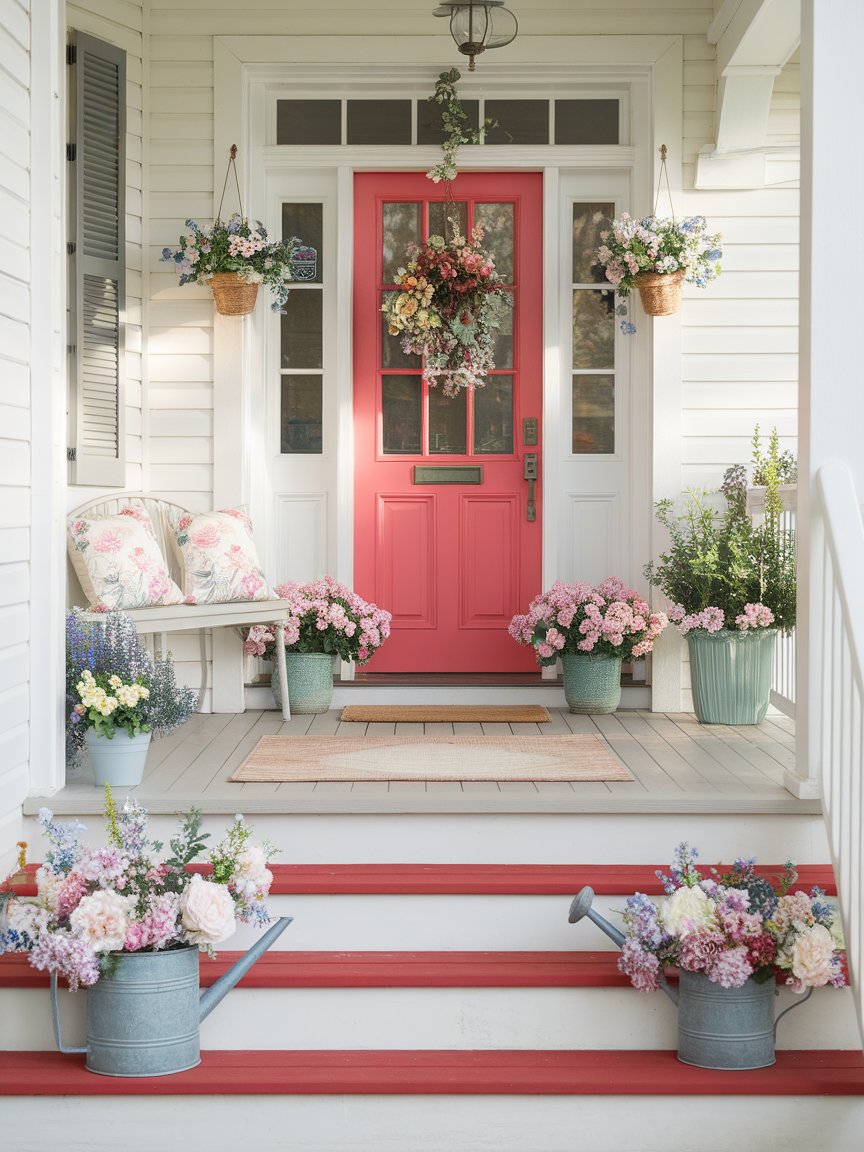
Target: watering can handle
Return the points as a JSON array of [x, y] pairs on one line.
[[55, 1018], [797, 1004]]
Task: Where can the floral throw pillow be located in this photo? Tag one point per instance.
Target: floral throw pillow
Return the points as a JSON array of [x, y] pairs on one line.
[[118, 562], [218, 558]]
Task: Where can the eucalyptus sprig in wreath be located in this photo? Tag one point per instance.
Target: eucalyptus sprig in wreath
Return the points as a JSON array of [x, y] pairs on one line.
[[454, 121]]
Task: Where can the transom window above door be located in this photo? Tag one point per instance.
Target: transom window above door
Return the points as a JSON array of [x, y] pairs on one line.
[[588, 120]]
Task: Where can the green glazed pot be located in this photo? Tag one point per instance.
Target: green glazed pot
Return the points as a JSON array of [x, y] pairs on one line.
[[310, 682], [730, 672], [591, 683]]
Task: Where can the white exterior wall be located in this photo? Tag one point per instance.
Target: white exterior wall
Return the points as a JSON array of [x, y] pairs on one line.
[[15, 415]]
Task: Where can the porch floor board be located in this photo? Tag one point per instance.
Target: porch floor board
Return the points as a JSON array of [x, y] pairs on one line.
[[678, 765]]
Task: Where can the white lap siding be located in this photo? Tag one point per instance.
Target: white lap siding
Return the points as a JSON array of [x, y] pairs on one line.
[[15, 415]]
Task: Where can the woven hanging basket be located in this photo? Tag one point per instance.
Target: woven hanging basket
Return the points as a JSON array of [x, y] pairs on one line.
[[233, 295], [660, 292]]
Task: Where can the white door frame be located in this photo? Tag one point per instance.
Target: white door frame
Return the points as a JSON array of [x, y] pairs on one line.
[[247, 72]]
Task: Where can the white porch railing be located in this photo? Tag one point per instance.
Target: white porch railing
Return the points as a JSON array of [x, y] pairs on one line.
[[837, 703], [783, 678]]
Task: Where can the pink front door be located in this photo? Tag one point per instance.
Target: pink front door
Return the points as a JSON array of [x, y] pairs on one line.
[[443, 534]]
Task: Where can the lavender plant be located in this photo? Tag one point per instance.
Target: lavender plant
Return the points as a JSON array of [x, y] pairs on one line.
[[111, 647]]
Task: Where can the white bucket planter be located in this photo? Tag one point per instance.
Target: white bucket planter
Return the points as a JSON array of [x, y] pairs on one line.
[[120, 761]]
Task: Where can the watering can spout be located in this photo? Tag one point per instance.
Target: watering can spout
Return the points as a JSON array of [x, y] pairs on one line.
[[217, 992], [580, 907]]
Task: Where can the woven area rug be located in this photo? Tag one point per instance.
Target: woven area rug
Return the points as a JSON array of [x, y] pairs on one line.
[[446, 713], [288, 759]]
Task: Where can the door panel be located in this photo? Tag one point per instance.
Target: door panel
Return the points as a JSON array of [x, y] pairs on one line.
[[452, 554]]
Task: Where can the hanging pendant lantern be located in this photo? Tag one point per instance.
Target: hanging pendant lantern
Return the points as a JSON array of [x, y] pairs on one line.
[[476, 25]]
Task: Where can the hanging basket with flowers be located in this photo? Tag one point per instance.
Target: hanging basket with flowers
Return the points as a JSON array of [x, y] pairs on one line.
[[658, 256], [449, 302], [234, 256]]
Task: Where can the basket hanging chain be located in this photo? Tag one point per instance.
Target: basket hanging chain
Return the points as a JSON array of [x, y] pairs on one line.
[[664, 174], [232, 165]]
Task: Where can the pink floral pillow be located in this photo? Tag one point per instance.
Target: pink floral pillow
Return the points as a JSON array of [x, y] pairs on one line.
[[218, 557], [118, 562]]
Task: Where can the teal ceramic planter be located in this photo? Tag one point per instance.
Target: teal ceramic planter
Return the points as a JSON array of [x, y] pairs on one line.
[[592, 684], [730, 673], [310, 682]]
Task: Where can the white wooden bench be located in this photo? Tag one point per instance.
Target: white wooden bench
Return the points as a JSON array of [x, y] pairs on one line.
[[159, 620]]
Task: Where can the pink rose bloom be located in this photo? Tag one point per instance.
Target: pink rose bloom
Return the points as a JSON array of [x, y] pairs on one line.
[[108, 542], [207, 536], [207, 912]]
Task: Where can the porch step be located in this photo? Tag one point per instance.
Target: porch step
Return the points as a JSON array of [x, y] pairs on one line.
[[633, 695], [459, 1073]]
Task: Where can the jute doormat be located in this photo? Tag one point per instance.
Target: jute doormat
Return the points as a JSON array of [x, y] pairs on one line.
[[447, 713], [289, 759]]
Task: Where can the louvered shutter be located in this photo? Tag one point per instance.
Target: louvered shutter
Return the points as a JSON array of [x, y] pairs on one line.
[[98, 273]]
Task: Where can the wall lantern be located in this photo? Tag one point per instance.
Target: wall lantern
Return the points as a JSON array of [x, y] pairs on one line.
[[476, 25]]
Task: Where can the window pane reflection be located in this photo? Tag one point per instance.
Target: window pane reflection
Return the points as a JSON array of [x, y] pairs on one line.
[[401, 228], [306, 222], [502, 339], [493, 416], [301, 329], [496, 220], [300, 414], [589, 220], [593, 328], [439, 213], [593, 415], [447, 423], [402, 415]]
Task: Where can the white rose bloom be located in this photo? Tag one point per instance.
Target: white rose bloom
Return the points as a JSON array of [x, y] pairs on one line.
[[207, 912], [102, 919], [251, 864], [687, 910], [811, 956]]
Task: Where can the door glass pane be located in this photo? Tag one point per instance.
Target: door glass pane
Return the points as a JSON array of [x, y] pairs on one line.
[[589, 220], [593, 415], [308, 121], [447, 423], [496, 220], [439, 213], [593, 328], [586, 122], [301, 329], [502, 340], [401, 228], [493, 416], [306, 222], [300, 414], [392, 355], [379, 121], [402, 415]]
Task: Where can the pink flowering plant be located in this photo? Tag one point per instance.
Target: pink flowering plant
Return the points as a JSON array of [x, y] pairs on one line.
[[325, 617], [609, 619], [94, 903], [732, 926], [236, 245], [448, 302]]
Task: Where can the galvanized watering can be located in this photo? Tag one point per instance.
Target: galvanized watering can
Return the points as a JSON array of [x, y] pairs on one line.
[[723, 1028], [143, 1019]]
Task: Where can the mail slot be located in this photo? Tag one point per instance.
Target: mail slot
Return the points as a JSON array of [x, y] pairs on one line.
[[448, 474]]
